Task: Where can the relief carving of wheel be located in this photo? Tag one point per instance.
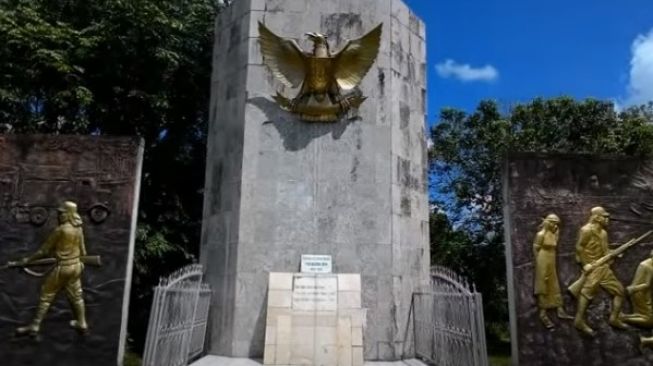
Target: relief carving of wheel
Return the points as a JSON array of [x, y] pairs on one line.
[[38, 215], [98, 213]]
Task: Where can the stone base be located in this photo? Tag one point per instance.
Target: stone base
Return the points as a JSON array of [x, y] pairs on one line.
[[314, 319], [227, 361]]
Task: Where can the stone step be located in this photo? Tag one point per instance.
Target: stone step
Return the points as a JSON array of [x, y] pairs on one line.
[[227, 361]]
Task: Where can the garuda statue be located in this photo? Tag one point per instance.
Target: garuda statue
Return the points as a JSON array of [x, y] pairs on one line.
[[320, 75]]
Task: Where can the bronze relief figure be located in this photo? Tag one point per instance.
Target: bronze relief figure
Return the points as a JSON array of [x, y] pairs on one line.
[[595, 257], [641, 300], [547, 287], [66, 251], [639, 292], [320, 75]]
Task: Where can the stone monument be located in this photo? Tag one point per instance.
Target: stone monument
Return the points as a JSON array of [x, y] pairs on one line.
[[579, 249], [68, 208], [352, 187]]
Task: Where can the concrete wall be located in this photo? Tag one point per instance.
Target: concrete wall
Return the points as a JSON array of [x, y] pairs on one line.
[[277, 187]]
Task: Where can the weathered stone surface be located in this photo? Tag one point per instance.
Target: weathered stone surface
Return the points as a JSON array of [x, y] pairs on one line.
[[277, 187], [569, 186], [38, 173]]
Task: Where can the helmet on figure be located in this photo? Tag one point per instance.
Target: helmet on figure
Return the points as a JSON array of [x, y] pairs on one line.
[[599, 211], [552, 218]]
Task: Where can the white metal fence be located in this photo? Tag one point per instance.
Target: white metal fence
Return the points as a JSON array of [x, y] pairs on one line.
[[449, 325], [178, 319]]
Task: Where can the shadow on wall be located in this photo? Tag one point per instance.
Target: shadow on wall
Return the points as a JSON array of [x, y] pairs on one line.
[[297, 134], [257, 341]]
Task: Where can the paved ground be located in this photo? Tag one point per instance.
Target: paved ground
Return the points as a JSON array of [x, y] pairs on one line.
[[225, 361]]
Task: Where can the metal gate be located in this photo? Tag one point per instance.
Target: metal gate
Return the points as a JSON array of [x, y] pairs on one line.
[[449, 325], [178, 319]]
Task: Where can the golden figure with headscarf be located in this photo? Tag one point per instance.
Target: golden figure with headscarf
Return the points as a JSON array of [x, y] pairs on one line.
[[66, 245], [547, 288]]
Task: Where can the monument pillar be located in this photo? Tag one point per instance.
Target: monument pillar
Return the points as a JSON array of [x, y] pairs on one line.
[[278, 187]]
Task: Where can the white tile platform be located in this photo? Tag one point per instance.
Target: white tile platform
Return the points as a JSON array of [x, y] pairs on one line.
[[226, 361]]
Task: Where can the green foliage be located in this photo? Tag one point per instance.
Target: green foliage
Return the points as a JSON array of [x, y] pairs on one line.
[[466, 161], [137, 67]]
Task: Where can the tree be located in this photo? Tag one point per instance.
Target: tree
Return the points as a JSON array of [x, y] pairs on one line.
[[138, 67], [466, 161]]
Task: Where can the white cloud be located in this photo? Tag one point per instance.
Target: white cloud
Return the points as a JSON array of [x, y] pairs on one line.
[[465, 72], [640, 85]]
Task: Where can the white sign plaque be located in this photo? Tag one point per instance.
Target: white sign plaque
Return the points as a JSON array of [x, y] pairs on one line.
[[316, 263], [315, 293]]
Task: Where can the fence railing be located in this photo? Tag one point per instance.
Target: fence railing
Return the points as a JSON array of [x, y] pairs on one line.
[[449, 325], [178, 319]]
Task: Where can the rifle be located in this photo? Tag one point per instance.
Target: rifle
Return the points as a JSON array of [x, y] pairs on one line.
[[575, 287], [91, 260]]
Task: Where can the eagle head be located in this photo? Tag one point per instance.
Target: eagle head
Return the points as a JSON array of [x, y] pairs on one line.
[[320, 44]]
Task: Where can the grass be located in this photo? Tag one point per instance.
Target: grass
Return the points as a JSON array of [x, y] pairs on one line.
[[499, 346], [132, 359], [500, 360]]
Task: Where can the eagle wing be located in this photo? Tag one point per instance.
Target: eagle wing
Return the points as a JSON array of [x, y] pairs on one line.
[[283, 56], [353, 62]]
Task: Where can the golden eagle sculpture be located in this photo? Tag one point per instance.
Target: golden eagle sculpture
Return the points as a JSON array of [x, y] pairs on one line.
[[321, 76]]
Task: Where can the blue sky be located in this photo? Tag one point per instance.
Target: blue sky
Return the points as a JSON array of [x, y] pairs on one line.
[[515, 50]]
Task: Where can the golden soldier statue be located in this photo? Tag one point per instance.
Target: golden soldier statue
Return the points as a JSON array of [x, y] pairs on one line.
[[66, 245], [640, 295], [547, 288], [591, 252]]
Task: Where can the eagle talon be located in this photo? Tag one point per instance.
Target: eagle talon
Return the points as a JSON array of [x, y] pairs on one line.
[[345, 105], [293, 105]]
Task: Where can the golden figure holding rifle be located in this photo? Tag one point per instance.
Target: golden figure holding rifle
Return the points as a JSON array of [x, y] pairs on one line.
[[593, 254], [65, 249], [547, 287]]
